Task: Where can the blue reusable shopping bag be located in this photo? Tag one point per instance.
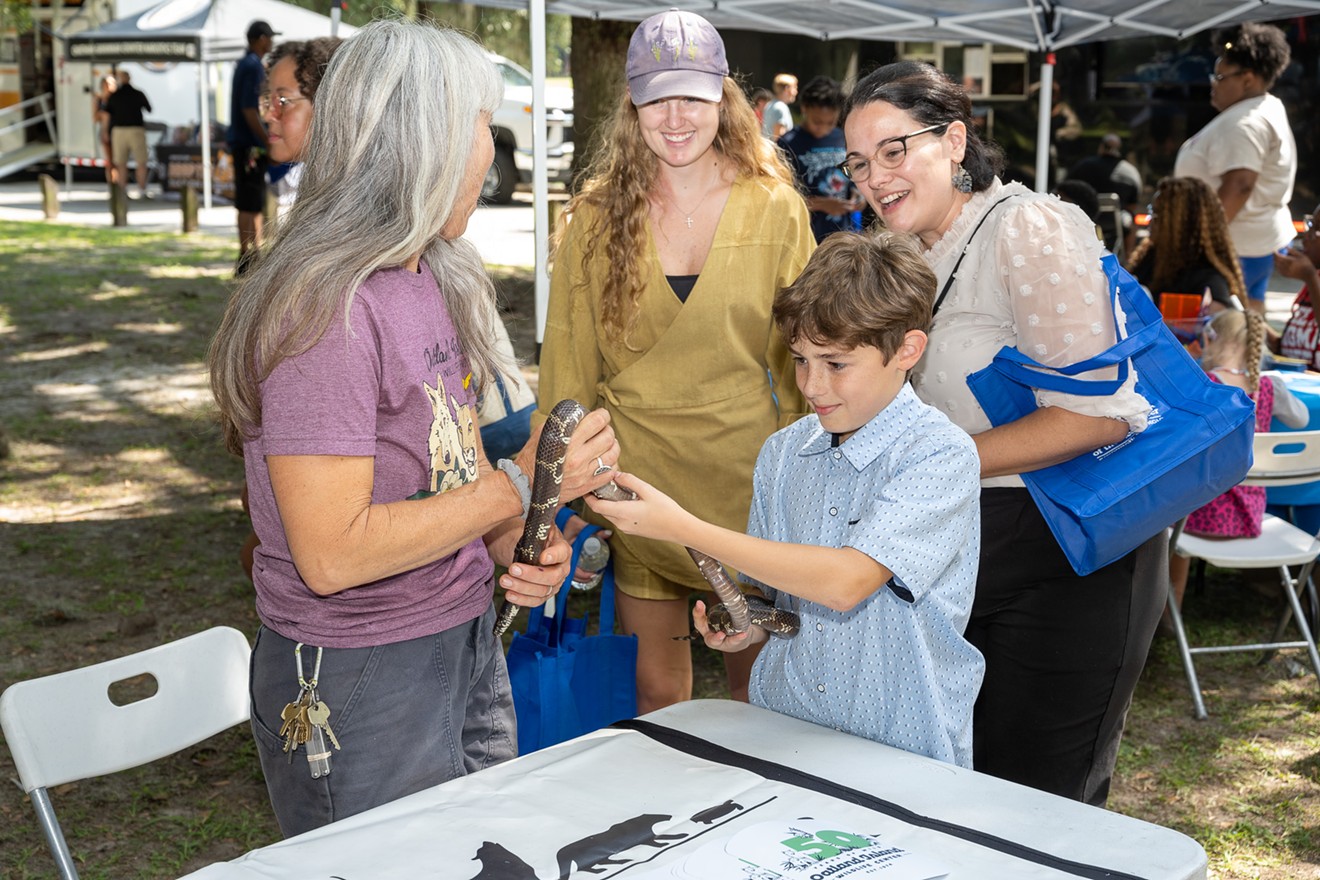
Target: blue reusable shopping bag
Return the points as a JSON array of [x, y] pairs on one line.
[[565, 682], [1196, 446]]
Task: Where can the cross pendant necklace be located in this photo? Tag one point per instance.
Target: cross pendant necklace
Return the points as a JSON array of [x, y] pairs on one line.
[[687, 215]]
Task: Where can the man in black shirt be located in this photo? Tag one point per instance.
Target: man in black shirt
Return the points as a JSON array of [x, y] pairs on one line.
[[127, 132]]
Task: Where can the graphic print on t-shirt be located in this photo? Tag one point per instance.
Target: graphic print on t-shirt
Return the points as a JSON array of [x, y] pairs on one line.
[[453, 439]]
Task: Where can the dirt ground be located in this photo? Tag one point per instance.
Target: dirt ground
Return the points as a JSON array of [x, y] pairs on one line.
[[120, 523]]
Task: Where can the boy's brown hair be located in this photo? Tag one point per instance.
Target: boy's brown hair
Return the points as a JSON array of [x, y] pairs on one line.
[[858, 289]]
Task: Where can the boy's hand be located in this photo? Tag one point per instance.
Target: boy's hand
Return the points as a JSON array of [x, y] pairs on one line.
[[652, 515], [718, 640]]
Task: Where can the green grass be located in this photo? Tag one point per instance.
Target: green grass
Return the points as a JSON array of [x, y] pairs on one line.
[[120, 523]]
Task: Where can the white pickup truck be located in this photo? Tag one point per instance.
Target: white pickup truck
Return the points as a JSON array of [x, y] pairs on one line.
[[512, 125]]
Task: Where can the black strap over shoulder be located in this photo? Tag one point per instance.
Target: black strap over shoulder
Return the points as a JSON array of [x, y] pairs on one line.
[[944, 291]]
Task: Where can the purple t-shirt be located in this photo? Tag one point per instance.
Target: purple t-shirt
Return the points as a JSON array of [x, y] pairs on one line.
[[396, 389]]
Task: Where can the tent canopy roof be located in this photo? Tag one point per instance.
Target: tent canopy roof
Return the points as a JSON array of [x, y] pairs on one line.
[[1039, 25], [194, 30]]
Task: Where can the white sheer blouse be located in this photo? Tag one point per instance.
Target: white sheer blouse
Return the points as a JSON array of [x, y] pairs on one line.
[[1032, 280]]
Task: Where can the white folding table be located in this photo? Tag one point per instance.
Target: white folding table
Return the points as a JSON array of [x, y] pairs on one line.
[[717, 789]]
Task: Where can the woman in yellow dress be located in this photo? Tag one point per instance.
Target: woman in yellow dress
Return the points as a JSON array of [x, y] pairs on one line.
[[673, 249]]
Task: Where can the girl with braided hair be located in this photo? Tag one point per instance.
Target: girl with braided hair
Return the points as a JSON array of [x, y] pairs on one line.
[[1234, 343], [1189, 249]]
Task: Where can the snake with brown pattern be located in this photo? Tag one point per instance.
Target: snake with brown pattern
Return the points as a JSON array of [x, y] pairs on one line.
[[734, 615]]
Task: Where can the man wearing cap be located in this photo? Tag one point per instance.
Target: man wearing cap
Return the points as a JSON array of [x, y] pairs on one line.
[[247, 141]]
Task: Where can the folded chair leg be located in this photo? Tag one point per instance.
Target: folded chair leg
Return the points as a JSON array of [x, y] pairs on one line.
[[1181, 636], [1291, 590], [1286, 582], [50, 827]]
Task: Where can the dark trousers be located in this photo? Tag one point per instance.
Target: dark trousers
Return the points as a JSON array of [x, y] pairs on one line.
[[409, 715], [1063, 653]]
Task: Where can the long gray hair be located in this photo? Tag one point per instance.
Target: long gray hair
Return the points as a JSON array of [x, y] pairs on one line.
[[393, 127]]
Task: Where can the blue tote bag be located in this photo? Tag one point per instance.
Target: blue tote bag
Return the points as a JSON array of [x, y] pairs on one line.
[[1196, 446], [565, 682]]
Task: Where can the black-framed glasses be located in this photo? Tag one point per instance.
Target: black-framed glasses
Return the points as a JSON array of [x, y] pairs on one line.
[[1220, 77], [889, 154], [266, 103]]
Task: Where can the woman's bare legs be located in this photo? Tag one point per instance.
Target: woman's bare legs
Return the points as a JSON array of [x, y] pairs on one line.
[[664, 666]]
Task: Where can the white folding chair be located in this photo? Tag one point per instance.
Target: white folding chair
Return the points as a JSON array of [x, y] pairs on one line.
[[65, 727], [1280, 459]]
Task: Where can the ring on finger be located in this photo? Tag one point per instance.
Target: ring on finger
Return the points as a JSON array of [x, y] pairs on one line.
[[601, 466]]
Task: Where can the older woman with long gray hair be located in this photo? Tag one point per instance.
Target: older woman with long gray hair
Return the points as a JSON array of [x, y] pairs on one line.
[[346, 371]]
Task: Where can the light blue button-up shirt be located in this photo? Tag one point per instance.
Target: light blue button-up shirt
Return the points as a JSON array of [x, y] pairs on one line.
[[905, 491]]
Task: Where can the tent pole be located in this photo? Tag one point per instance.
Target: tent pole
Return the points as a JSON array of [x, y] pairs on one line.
[[540, 185], [203, 75], [1046, 102]]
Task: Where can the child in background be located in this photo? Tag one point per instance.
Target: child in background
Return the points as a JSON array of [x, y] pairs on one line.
[[864, 521], [1234, 343]]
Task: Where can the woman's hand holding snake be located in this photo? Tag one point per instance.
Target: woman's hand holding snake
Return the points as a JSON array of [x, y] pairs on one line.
[[531, 585], [591, 449]]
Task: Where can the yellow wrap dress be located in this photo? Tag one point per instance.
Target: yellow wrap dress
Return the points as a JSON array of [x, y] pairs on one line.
[[702, 383]]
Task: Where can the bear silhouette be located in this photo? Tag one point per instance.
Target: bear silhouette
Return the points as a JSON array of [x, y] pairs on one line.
[[592, 854]]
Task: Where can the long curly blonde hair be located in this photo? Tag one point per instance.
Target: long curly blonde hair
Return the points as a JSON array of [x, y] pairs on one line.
[[1189, 228], [620, 181]]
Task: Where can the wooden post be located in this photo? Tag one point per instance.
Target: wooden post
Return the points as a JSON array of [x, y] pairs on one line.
[[119, 204], [50, 196], [188, 202]]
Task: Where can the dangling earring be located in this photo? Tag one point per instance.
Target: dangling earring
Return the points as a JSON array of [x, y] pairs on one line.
[[962, 181]]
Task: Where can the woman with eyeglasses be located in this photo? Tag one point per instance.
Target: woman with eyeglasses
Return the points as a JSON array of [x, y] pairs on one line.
[[1247, 154], [1022, 269], [346, 370], [686, 225], [293, 74]]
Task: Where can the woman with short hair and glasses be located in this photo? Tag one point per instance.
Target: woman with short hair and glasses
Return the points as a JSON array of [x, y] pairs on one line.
[[1022, 269], [1247, 154], [346, 370], [665, 271]]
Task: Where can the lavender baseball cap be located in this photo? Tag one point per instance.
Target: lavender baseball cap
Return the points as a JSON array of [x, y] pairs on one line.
[[676, 54]]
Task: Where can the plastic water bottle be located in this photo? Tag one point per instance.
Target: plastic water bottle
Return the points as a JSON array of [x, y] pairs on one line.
[[595, 555]]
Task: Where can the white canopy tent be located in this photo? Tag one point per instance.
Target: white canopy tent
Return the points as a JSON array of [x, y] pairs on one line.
[[1042, 26], [201, 31]]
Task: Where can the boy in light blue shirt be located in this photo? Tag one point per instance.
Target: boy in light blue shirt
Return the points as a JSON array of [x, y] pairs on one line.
[[865, 519]]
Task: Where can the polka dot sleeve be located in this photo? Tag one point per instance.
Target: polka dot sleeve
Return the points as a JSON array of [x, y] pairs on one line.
[[1049, 261]]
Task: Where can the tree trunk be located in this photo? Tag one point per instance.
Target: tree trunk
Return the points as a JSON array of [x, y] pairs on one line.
[[599, 56]]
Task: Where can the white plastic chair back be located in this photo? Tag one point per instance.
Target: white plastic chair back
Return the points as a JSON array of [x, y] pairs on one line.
[[64, 727], [1285, 458]]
